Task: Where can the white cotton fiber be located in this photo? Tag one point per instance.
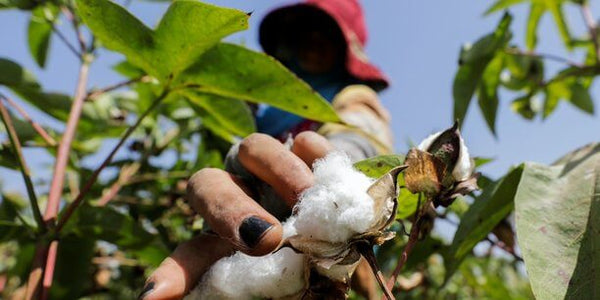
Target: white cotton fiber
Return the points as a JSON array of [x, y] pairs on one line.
[[241, 276], [337, 206]]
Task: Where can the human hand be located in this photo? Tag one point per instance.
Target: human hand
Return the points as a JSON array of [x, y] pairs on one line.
[[227, 205]]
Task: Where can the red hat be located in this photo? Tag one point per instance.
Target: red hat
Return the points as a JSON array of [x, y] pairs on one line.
[[348, 16]]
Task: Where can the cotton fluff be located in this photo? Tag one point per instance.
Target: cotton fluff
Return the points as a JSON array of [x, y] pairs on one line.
[[241, 276], [337, 206]]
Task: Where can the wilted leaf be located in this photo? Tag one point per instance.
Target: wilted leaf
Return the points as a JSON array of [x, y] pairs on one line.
[[558, 220], [233, 71], [485, 213], [187, 30], [424, 173]]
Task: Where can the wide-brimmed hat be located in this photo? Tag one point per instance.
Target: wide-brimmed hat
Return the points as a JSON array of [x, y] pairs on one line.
[[348, 16]]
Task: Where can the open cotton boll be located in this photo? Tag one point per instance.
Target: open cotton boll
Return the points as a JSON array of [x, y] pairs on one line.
[[241, 276], [464, 165], [337, 206], [426, 143]]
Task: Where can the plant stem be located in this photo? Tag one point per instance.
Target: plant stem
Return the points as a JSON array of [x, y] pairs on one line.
[[49, 269], [64, 148], [515, 51], [65, 40], [412, 240], [592, 27], [40, 130], [88, 185], [35, 276], [16, 147], [95, 93]]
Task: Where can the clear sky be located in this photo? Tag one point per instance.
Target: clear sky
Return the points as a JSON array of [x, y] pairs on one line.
[[415, 42]]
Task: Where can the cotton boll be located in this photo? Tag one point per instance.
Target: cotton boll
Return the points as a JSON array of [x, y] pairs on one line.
[[426, 143], [337, 206], [241, 276], [464, 165]]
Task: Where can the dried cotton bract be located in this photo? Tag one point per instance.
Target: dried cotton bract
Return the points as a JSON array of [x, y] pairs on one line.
[[342, 208]]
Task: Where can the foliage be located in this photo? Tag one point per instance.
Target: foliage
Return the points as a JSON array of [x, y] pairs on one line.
[[496, 62]]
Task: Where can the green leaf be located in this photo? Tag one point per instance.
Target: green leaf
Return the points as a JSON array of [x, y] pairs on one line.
[[523, 107], [466, 81], [105, 223], [488, 91], [407, 201], [557, 10], [555, 91], [580, 97], [378, 166], [502, 4], [485, 213], [558, 220], [474, 60], [39, 31], [186, 31], [536, 11], [73, 268], [233, 71], [233, 114]]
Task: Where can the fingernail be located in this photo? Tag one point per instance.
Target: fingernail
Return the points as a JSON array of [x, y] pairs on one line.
[[253, 229], [148, 288]]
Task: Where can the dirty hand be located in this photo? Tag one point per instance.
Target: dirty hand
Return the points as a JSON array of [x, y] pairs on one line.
[[228, 207]]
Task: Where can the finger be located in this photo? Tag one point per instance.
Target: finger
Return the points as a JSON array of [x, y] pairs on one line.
[[269, 160], [219, 197], [182, 270], [310, 146]]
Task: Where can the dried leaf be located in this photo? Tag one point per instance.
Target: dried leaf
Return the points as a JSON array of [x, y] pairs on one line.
[[384, 192], [424, 173]]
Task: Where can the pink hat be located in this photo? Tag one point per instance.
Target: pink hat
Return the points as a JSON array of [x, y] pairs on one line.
[[347, 14]]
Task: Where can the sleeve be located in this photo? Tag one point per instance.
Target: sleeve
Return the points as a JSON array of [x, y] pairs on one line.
[[367, 130]]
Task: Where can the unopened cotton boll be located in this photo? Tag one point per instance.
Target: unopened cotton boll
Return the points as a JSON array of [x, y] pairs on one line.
[[337, 206], [241, 276]]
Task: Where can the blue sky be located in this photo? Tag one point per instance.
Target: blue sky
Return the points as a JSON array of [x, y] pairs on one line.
[[415, 42]]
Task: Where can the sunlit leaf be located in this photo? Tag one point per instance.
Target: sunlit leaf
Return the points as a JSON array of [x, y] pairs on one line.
[[187, 30], [488, 91], [536, 11], [581, 98], [233, 71], [377, 166], [39, 31]]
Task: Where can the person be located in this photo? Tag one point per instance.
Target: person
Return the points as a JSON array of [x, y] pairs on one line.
[[322, 42]]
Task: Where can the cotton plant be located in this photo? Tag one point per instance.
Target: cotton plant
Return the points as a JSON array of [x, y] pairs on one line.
[[337, 221]]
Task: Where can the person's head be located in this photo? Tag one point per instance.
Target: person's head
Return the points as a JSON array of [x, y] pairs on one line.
[[321, 37]]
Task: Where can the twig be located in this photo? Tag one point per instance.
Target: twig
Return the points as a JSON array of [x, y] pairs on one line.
[[64, 148], [62, 37], [16, 147], [502, 246], [515, 51], [592, 27], [125, 175], [88, 185], [95, 93], [40, 130], [412, 240], [49, 269]]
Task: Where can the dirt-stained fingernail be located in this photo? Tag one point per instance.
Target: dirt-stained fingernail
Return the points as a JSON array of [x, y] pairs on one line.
[[253, 229], [148, 288]]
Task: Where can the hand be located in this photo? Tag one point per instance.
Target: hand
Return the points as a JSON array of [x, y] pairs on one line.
[[227, 206]]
